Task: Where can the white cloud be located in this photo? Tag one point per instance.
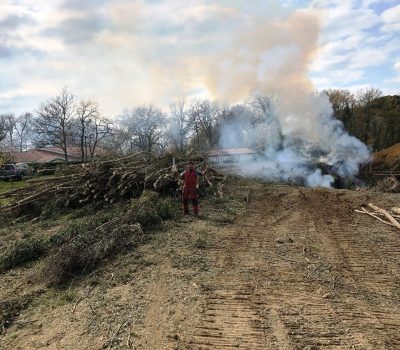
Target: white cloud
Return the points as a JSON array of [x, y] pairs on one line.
[[125, 52], [367, 57], [354, 39], [396, 76], [391, 19], [337, 78], [368, 3]]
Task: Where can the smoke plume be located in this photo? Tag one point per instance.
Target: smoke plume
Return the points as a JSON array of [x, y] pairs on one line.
[[290, 144], [297, 129]]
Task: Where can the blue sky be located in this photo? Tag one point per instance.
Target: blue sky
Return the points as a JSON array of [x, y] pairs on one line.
[[123, 53]]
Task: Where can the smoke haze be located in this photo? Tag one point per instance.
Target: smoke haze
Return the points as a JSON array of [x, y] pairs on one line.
[[291, 143]]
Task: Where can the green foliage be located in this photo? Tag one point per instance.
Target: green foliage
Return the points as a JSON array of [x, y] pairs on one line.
[[150, 209], [6, 186], [4, 158], [370, 117], [166, 208], [21, 252]]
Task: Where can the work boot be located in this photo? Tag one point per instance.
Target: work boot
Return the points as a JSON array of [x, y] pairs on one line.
[[185, 207]]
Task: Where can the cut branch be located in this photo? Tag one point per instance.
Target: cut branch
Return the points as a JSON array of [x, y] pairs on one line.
[[386, 214]]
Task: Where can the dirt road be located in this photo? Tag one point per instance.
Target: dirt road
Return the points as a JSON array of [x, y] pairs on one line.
[[298, 269], [301, 270]]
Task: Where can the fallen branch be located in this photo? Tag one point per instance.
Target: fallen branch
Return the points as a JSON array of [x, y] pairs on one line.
[[386, 214], [364, 211], [110, 342], [395, 210], [107, 181], [82, 296]]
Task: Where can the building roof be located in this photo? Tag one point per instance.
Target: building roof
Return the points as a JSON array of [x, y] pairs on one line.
[[230, 151], [40, 156], [72, 151], [50, 154]]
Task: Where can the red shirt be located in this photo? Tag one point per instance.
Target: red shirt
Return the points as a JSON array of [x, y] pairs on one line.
[[189, 178]]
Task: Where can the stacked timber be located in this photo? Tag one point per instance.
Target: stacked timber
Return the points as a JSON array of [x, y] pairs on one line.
[[105, 181]]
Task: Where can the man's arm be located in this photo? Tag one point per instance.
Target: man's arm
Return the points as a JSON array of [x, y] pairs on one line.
[[201, 173]]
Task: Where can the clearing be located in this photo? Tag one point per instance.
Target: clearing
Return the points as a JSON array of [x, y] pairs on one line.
[[280, 267]]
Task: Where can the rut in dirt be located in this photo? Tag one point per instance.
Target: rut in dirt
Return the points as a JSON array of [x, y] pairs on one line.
[[300, 271]]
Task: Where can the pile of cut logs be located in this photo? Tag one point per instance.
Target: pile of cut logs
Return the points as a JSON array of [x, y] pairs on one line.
[[106, 181]]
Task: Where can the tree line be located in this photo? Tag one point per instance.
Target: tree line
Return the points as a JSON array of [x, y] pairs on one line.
[[368, 115], [64, 121]]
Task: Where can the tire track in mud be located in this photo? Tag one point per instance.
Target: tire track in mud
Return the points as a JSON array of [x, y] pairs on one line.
[[299, 271]]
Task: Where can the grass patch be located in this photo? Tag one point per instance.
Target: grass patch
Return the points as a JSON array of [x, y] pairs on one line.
[[202, 241], [21, 252], [224, 219], [6, 186]]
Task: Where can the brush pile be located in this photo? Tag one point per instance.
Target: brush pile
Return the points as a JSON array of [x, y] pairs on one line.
[[106, 181], [390, 185]]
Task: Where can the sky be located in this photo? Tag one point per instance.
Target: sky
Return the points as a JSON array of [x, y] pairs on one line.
[[125, 53]]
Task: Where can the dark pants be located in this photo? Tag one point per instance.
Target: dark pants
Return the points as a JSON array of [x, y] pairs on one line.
[[195, 204]]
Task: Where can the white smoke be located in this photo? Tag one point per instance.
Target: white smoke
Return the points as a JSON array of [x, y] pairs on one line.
[[291, 142]]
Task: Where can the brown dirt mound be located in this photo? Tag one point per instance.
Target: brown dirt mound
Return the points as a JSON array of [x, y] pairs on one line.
[[387, 158]]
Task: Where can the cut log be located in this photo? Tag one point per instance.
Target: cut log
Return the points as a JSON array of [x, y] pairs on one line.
[[108, 181], [395, 210], [365, 211], [386, 214]]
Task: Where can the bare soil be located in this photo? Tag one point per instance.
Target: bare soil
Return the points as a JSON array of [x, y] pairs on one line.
[[298, 269]]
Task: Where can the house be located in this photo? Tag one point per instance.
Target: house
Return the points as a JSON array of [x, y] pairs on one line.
[[231, 155], [49, 155]]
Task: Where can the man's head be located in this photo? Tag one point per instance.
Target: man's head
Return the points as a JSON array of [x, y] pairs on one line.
[[191, 165]]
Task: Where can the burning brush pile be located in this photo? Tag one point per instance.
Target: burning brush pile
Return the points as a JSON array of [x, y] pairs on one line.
[[107, 181]]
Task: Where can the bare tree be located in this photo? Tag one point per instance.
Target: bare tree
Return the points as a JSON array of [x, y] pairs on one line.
[[11, 122], [343, 102], [145, 125], [204, 116], [364, 96], [86, 111], [262, 104], [3, 126], [23, 128], [53, 121], [98, 129], [117, 141], [180, 125]]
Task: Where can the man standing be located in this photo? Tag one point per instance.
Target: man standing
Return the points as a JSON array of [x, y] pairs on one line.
[[190, 186]]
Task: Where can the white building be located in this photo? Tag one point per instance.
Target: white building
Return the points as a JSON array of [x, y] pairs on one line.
[[231, 155]]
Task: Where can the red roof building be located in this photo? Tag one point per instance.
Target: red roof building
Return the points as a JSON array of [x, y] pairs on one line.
[[50, 154]]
